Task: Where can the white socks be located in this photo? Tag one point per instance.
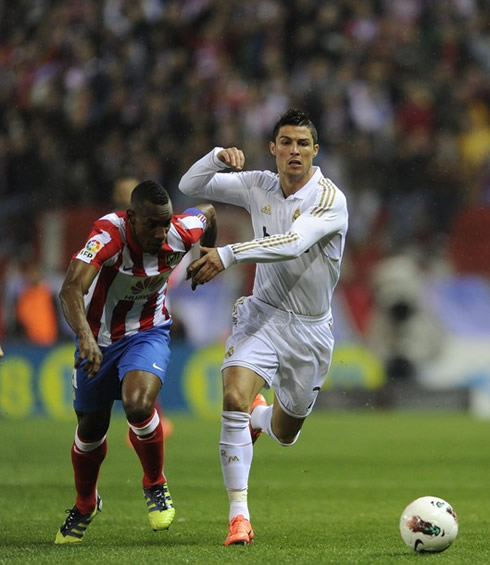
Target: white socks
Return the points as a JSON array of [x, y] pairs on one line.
[[236, 454], [261, 419]]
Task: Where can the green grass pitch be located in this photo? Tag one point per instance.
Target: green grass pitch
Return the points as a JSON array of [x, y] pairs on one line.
[[335, 497]]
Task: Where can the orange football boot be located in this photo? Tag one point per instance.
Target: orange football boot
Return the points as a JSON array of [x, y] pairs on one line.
[[259, 401], [240, 531]]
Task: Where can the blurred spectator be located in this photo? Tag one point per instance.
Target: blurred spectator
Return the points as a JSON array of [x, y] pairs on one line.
[[403, 330], [95, 89], [121, 192], [36, 310]]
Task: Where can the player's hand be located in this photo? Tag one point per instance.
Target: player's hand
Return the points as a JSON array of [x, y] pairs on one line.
[[89, 354], [232, 157], [206, 268]]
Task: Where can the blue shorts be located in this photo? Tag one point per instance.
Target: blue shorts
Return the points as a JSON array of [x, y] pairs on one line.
[[148, 350]]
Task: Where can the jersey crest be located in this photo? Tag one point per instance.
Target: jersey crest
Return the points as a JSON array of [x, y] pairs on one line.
[[173, 258]]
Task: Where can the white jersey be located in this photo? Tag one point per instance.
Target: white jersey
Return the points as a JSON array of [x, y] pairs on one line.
[[299, 240]]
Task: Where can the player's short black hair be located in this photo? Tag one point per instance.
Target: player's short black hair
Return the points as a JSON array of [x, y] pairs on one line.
[[149, 191], [295, 117]]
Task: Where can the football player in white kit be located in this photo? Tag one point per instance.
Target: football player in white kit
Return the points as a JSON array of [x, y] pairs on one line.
[[282, 334]]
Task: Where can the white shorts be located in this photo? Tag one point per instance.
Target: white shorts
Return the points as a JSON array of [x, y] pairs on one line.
[[291, 353]]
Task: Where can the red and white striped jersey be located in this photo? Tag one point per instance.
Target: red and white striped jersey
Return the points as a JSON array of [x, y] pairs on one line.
[[128, 294]]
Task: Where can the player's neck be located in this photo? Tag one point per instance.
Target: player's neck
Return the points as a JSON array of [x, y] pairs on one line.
[[290, 184]]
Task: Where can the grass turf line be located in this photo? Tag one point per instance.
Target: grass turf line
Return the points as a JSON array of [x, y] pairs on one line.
[[335, 497]]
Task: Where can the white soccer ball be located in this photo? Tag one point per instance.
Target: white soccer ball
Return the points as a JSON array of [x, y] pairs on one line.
[[429, 524]]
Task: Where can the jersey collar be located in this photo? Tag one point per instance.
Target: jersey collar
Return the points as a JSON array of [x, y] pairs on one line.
[[302, 192]]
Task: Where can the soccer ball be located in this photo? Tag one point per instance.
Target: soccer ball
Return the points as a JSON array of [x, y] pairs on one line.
[[429, 524]]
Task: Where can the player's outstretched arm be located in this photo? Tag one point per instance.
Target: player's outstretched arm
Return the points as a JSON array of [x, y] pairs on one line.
[[205, 268], [208, 177], [77, 282]]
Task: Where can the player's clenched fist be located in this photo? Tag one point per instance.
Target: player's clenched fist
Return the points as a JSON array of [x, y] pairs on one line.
[[232, 157]]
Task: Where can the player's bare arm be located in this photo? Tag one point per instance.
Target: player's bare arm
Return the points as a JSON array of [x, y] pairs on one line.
[[232, 157], [206, 268], [78, 279]]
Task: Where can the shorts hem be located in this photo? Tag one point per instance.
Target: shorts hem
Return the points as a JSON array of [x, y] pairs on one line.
[[253, 368], [292, 414]]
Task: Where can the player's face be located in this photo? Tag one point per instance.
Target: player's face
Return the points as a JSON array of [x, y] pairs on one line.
[[294, 151], [150, 224]]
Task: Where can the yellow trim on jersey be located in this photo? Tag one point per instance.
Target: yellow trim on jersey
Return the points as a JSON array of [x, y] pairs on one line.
[[272, 241], [327, 198]]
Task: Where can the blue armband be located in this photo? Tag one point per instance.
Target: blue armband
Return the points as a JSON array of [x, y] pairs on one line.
[[197, 212]]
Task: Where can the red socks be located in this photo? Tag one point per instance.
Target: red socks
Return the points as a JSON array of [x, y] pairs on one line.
[[86, 459], [147, 440]]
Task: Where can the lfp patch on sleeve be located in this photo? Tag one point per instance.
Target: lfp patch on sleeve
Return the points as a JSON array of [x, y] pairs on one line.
[[91, 248]]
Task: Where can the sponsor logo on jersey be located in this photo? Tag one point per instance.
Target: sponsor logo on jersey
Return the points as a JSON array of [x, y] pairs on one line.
[[146, 288], [297, 214], [266, 209]]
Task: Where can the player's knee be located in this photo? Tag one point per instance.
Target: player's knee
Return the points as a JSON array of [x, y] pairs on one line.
[[138, 411], [92, 426]]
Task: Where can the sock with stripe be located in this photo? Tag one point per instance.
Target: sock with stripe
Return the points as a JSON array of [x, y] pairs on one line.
[[87, 458], [147, 440]]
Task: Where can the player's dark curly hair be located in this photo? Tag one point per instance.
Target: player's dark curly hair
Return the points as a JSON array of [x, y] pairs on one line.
[[295, 117], [149, 191]]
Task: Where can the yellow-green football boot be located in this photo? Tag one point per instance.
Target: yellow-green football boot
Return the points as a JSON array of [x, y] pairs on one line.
[[161, 511], [73, 528]]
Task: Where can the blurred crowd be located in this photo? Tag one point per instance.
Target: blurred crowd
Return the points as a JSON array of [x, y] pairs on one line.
[[399, 89]]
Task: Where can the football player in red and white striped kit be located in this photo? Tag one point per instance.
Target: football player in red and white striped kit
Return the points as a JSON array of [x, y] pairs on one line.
[[113, 297]]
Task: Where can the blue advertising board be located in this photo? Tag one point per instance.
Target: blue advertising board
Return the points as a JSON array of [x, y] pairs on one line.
[[36, 381]]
